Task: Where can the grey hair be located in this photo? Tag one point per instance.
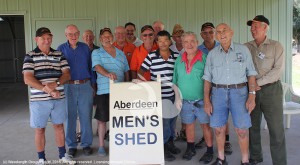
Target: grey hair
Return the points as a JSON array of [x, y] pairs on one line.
[[70, 25], [189, 33]]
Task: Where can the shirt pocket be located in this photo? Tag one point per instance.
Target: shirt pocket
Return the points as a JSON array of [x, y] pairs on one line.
[[267, 63], [198, 72], [217, 70]]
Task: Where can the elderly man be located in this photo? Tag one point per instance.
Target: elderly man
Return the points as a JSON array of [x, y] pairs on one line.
[[268, 57], [141, 52], [130, 37], [208, 35], [79, 91], [228, 69], [176, 36], [126, 47], [88, 37], [188, 71], [158, 26], [45, 71]]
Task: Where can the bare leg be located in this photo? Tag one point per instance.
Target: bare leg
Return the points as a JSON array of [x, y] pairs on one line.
[[59, 134], [190, 132], [208, 135], [220, 138], [40, 140], [101, 132], [243, 136]]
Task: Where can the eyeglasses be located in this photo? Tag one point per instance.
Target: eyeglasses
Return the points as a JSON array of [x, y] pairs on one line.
[[105, 30], [150, 35], [206, 33], [73, 34]]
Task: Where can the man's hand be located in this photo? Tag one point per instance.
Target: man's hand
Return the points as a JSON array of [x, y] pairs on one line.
[[178, 103], [208, 108], [49, 86], [112, 76], [55, 94], [250, 103]]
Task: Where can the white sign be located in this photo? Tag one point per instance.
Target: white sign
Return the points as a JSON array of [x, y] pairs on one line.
[[136, 135]]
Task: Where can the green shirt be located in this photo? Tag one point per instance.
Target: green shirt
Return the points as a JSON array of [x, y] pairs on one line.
[[191, 85]]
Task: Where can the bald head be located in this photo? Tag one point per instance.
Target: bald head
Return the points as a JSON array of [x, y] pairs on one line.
[[88, 37], [158, 26], [120, 34]]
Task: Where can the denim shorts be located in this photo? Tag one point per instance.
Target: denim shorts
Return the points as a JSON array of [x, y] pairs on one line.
[[41, 111], [192, 110], [233, 100]]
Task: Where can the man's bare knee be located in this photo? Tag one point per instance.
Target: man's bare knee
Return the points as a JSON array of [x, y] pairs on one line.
[[219, 131], [242, 133]]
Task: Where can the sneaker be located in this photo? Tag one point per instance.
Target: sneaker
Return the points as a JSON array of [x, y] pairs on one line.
[[41, 162], [168, 156], [220, 162], [189, 153], [206, 158], [181, 136], [67, 159], [246, 163], [227, 148], [172, 148], [200, 144], [101, 151], [87, 151], [72, 151]]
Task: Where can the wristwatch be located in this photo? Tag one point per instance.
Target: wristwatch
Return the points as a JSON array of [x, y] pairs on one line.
[[252, 92], [57, 83]]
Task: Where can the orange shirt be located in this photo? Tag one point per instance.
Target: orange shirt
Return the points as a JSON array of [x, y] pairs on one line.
[[127, 50], [138, 56]]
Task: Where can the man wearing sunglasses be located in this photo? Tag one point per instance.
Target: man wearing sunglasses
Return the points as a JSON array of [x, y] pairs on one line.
[[141, 52]]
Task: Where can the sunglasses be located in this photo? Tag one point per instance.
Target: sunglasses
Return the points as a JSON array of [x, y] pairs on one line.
[[150, 35]]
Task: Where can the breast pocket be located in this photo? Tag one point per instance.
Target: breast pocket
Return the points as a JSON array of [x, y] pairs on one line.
[[267, 63]]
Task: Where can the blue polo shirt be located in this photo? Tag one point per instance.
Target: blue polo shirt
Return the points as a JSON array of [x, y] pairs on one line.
[[79, 60], [203, 48], [117, 65]]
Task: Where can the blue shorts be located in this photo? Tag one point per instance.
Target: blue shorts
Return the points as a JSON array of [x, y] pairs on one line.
[[192, 110], [41, 111], [233, 100]]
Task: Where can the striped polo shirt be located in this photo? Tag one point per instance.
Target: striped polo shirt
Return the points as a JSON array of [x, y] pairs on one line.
[[46, 68], [157, 65]]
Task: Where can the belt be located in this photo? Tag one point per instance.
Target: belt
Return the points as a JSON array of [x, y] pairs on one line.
[[78, 81], [269, 84], [236, 86]]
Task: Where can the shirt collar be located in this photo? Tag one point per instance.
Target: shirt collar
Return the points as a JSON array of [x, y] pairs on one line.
[[231, 47], [197, 57]]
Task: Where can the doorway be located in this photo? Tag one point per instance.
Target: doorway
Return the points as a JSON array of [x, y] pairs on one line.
[[12, 48]]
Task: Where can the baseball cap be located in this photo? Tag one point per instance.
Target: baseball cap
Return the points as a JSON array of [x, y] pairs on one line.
[[149, 27], [106, 29], [41, 31], [207, 24], [258, 18]]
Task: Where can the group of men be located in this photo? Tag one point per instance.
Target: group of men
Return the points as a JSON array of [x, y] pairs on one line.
[[214, 78]]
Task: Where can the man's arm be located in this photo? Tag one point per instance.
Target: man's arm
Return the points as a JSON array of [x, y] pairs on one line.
[[104, 72], [31, 81], [207, 103], [127, 76], [250, 103]]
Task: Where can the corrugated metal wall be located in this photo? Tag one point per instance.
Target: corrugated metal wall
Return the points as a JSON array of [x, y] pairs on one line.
[[190, 13]]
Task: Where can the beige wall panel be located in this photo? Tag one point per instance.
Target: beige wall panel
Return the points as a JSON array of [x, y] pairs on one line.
[[59, 8], [47, 9], [69, 8], [12, 5]]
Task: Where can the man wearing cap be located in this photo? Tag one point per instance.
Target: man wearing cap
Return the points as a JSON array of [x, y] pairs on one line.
[[208, 35], [141, 52], [228, 70], [176, 36], [79, 91], [130, 37], [45, 71], [268, 58]]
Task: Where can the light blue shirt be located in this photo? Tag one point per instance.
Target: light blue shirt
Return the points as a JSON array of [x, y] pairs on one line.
[[232, 67], [117, 65], [203, 48]]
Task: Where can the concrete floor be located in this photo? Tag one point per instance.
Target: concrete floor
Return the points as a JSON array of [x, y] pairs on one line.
[[17, 138]]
